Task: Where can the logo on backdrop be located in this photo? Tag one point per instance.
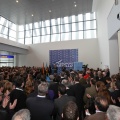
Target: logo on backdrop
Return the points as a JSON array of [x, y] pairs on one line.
[[67, 64]]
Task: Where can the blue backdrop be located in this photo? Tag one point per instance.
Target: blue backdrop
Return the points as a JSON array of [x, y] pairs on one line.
[[65, 57]]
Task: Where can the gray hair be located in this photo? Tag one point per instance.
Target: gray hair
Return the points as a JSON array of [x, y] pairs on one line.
[[113, 112], [43, 88], [65, 82], [23, 114]]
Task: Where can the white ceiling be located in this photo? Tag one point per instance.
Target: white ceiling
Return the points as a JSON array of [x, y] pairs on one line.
[[20, 13]]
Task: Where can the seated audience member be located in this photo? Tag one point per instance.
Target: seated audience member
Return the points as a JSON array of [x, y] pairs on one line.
[[61, 101], [113, 113], [40, 107], [70, 111], [23, 114], [101, 106]]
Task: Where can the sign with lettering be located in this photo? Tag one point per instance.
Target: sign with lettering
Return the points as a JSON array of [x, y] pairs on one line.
[[65, 57], [6, 56]]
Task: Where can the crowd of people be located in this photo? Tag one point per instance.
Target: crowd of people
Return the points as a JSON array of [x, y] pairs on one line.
[[25, 94]]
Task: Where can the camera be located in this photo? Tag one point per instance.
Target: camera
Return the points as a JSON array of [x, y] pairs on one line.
[[85, 66]]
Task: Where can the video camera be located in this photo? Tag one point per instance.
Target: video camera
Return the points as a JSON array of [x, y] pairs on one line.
[[85, 66]]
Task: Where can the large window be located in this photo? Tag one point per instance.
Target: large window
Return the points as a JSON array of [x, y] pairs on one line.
[[21, 34], [7, 29], [75, 27]]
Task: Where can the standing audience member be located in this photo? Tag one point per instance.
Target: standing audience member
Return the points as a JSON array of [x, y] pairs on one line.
[[53, 86], [55, 68], [8, 87], [19, 94], [40, 107], [1, 91], [23, 114], [70, 111], [101, 105], [81, 79], [116, 94], [90, 91], [29, 87], [102, 91], [61, 101], [35, 92], [7, 109], [77, 90], [113, 113]]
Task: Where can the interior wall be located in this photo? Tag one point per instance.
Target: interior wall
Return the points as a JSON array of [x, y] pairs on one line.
[[103, 10], [113, 22], [87, 49], [114, 56]]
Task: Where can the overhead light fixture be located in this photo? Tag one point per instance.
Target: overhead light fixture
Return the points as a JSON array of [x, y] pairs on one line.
[[17, 1], [32, 15], [50, 11], [75, 5]]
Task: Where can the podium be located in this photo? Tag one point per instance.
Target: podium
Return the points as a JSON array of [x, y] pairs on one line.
[[78, 66]]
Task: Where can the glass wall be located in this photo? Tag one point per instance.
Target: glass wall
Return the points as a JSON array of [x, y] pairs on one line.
[[75, 27], [7, 29], [60, 29]]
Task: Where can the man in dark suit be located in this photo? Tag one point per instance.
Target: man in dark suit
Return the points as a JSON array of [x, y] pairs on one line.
[[101, 105], [77, 90], [90, 94], [53, 86], [61, 101], [82, 81], [116, 94], [55, 68], [40, 107]]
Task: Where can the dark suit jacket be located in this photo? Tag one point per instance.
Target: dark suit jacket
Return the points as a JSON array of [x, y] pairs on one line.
[[21, 99], [91, 91], [54, 86], [96, 116], [40, 108], [78, 91], [60, 103], [115, 96]]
